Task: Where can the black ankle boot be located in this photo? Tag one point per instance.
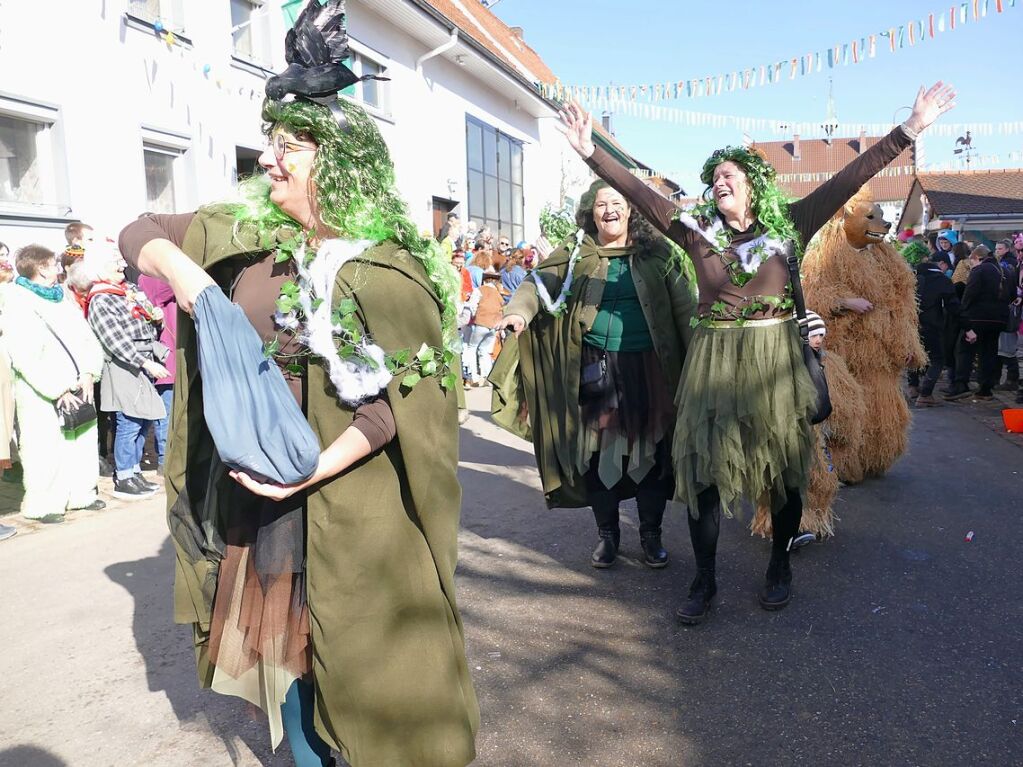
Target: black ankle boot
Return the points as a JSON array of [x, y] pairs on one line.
[[777, 588], [698, 604], [607, 549], [654, 554]]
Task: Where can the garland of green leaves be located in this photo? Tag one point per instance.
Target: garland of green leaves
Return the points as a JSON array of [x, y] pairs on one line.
[[742, 268], [358, 368], [769, 208]]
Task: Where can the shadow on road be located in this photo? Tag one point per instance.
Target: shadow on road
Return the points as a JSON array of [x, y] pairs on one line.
[[166, 649], [29, 756], [898, 647]]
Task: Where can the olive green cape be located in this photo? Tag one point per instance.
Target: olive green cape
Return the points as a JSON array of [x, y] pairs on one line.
[[392, 684], [536, 381]]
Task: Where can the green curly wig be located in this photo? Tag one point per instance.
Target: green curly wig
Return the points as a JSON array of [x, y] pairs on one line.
[[769, 203], [355, 190]]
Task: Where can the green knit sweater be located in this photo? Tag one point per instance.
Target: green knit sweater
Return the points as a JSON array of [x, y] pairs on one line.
[[620, 325]]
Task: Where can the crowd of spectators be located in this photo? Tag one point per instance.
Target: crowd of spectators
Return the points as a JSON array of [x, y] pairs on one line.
[[489, 274], [970, 298], [86, 371]]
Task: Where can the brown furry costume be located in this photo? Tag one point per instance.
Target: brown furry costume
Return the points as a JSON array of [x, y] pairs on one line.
[[842, 433], [851, 260], [866, 355]]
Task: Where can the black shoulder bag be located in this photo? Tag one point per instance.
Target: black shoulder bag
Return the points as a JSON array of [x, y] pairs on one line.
[[76, 416], [811, 357], [595, 378]]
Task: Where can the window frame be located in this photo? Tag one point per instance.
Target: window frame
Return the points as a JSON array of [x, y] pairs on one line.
[[179, 146], [356, 93], [172, 14], [51, 116], [495, 183], [262, 61]]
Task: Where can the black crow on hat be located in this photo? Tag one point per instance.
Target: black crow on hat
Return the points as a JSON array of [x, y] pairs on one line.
[[315, 49]]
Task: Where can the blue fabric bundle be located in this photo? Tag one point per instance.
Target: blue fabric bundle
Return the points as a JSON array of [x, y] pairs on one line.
[[253, 417]]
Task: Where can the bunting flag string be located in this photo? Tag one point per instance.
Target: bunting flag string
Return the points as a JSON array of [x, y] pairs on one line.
[[802, 128], [910, 34]]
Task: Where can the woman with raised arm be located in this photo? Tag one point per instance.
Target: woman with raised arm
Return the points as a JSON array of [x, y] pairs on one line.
[[746, 400], [608, 321], [327, 600]]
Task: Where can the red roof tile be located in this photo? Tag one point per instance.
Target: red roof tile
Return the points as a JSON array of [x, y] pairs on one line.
[[496, 36], [976, 192], [818, 161]]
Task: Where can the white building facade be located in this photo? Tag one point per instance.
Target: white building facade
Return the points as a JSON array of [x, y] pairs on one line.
[[153, 105]]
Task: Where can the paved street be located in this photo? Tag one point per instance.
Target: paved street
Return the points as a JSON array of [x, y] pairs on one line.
[[901, 646]]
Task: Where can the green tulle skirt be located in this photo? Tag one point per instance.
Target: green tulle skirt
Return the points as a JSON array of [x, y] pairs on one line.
[[744, 413]]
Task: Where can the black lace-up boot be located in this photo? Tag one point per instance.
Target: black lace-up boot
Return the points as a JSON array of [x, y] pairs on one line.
[[700, 594], [777, 588], [607, 548], [654, 554]]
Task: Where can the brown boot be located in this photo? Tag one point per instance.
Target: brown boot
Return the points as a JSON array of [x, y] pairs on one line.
[[926, 400]]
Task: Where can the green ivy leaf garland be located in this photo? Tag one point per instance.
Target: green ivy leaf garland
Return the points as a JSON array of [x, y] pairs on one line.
[[351, 345]]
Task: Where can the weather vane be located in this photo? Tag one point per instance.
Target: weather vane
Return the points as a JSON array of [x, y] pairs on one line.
[[964, 146]]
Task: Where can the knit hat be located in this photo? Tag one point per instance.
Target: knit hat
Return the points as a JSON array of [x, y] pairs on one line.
[[816, 324]]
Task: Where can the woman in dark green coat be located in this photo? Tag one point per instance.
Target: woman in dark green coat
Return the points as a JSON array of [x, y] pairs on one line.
[[329, 603], [603, 326]]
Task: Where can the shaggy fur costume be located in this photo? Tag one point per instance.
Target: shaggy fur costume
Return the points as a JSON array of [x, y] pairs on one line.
[[851, 260]]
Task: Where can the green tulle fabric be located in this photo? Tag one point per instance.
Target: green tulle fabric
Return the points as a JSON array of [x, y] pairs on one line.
[[744, 416]]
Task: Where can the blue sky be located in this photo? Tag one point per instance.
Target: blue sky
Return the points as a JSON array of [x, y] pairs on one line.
[[597, 42]]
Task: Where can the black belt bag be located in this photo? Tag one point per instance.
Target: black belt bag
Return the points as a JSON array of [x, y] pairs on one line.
[[595, 380]]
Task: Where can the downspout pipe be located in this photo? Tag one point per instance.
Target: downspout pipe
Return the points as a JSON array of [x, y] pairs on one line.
[[452, 41]]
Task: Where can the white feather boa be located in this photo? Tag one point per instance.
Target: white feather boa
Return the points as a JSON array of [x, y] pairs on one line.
[[750, 255], [556, 306], [354, 380]]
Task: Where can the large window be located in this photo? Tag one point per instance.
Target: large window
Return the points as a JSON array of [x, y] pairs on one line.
[[32, 172], [495, 179], [250, 30]]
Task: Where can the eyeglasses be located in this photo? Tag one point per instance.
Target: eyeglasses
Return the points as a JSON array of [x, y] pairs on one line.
[[282, 146], [504, 244]]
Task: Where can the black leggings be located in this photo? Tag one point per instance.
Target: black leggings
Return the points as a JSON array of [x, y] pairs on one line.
[[652, 494], [704, 530]]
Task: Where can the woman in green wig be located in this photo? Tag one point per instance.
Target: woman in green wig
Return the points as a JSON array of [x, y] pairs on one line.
[[746, 400], [329, 603], [608, 322]]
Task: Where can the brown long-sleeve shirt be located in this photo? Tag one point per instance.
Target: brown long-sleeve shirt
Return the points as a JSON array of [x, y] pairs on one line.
[[808, 214], [256, 288]]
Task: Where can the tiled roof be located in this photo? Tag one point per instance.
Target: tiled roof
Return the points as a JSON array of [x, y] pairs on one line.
[[977, 192], [819, 161], [474, 20]]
